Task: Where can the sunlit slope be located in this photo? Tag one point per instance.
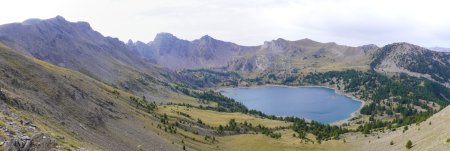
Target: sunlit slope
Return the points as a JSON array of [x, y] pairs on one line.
[[426, 136], [429, 135]]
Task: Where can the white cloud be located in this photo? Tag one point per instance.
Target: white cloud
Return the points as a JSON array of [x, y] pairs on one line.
[[250, 22]]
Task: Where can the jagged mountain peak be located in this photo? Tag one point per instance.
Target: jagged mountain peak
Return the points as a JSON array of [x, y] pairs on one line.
[[167, 41], [58, 18], [165, 36], [204, 52], [140, 42], [280, 40], [206, 37], [130, 41], [279, 44], [369, 47], [209, 42], [307, 40]]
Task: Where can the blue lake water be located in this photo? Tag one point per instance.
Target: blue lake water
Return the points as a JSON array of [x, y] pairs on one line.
[[316, 103]]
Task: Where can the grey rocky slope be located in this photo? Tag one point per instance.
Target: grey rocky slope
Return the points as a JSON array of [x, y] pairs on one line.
[[75, 45], [74, 109], [71, 45]]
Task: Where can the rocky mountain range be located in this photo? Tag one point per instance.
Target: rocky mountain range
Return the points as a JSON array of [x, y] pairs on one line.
[[76, 46], [70, 45], [282, 56], [207, 52]]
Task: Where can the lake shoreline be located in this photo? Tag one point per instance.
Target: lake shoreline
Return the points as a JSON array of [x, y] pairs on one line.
[[339, 92]]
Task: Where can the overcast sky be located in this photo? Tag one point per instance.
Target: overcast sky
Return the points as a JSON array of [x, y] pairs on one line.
[[251, 22]]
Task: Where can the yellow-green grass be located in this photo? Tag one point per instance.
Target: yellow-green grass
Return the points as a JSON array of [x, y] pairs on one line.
[[179, 139], [287, 142], [183, 99], [215, 119], [242, 141]]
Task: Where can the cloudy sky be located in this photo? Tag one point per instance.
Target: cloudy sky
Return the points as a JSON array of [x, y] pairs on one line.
[[251, 22]]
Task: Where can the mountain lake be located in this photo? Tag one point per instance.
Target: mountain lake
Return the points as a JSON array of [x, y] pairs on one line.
[[314, 103]]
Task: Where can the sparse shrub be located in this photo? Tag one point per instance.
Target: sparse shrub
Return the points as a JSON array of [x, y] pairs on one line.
[[2, 124], [409, 144], [115, 92], [199, 121], [391, 143], [448, 140]]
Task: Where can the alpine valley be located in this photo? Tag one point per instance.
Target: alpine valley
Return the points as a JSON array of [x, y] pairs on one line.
[[65, 86]]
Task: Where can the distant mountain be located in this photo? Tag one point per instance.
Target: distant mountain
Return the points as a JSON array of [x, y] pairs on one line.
[[145, 51], [208, 52], [304, 55], [175, 53], [413, 60], [440, 49]]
